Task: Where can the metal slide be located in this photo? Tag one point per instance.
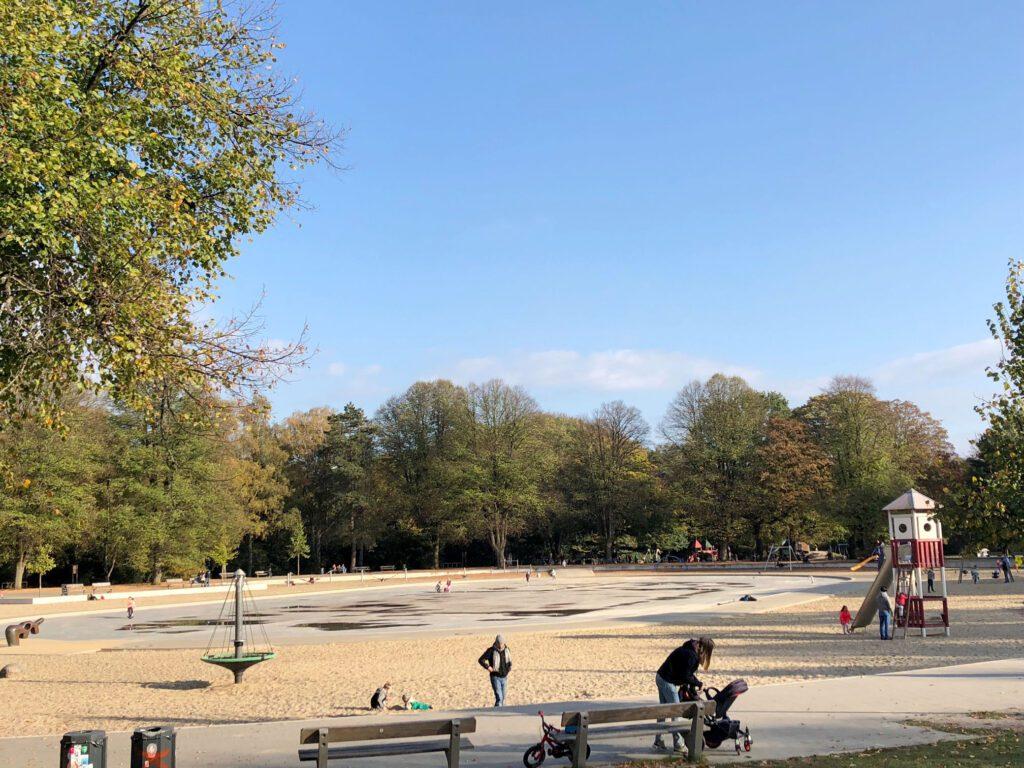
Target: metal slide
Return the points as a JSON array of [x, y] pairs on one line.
[[868, 610]]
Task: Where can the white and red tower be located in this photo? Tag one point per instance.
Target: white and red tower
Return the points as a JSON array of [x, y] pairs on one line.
[[915, 536]]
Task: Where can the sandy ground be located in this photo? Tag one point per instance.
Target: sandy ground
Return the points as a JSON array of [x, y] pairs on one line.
[[119, 690]]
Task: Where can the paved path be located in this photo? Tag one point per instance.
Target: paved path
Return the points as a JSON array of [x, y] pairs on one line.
[[789, 719], [473, 606]]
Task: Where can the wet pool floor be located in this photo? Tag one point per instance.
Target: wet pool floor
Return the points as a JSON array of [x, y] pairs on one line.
[[400, 610]]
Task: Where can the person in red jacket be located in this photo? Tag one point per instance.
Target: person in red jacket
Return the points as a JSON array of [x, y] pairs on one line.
[[846, 620]]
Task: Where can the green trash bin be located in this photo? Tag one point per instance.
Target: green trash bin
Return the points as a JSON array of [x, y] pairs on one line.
[[83, 749], [153, 747]]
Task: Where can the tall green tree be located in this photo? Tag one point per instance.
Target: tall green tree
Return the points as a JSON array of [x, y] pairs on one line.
[[178, 480], [996, 505], [140, 141], [347, 486], [504, 480], [794, 483], [611, 478], [424, 438], [48, 490], [259, 459], [714, 429], [877, 450]]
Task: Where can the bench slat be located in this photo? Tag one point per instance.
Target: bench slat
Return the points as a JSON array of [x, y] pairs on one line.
[[382, 750], [406, 730], [632, 714], [640, 729]]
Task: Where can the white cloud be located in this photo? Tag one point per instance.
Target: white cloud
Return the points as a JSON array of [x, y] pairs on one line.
[[609, 371], [963, 359], [336, 369]]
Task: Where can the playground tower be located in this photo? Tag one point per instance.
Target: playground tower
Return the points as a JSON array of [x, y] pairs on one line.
[[916, 545]]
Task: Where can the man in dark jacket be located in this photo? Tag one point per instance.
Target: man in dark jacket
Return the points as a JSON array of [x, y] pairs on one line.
[[884, 614], [680, 670], [497, 660]]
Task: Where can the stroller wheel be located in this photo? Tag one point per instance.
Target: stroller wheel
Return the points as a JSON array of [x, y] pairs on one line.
[[747, 744]]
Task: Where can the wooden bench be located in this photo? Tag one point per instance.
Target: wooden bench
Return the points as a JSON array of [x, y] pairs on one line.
[[261, 574], [101, 586], [72, 589], [449, 739], [387, 568], [174, 582], [634, 717]]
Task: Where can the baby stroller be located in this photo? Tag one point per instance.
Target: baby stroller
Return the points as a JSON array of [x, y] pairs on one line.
[[719, 726]]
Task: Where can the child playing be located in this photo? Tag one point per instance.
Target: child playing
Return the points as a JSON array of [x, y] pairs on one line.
[[901, 608], [846, 620], [408, 702], [379, 700]]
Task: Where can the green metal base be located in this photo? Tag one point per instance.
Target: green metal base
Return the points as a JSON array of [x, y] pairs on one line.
[[238, 664]]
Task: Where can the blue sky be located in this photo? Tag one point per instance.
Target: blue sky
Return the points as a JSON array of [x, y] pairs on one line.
[[605, 200]]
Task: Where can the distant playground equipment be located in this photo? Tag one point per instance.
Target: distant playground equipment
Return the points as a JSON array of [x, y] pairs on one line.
[[702, 553], [15, 633], [240, 651], [788, 552], [915, 546]]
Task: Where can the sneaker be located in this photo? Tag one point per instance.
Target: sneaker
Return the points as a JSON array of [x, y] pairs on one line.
[[659, 746], [679, 749]]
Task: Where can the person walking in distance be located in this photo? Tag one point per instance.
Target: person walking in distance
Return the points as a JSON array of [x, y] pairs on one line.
[[884, 614], [131, 608], [497, 660], [680, 669]]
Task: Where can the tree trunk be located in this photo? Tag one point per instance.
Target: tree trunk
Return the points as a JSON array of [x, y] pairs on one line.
[[437, 552], [609, 540], [352, 557], [19, 568], [110, 570], [250, 552]]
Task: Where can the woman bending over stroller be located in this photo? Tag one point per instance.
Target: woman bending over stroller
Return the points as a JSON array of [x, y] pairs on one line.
[[680, 669]]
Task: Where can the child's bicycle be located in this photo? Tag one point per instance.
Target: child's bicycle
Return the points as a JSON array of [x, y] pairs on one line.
[[549, 744]]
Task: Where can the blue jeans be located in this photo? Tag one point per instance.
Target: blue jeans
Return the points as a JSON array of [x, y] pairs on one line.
[[667, 694], [885, 625], [499, 684]]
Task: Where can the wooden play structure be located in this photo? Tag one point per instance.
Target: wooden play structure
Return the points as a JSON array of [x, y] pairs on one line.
[[915, 547]]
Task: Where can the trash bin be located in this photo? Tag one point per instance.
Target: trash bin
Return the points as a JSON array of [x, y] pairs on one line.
[[153, 747], [83, 749]]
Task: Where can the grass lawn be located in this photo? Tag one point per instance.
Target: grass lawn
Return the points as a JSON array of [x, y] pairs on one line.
[[988, 749]]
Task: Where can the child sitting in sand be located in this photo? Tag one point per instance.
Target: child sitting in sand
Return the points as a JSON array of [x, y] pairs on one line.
[[379, 700], [846, 620], [408, 702]]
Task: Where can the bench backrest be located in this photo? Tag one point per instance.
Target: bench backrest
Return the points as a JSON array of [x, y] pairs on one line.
[[387, 567], [174, 581], [683, 709], [369, 732], [101, 584]]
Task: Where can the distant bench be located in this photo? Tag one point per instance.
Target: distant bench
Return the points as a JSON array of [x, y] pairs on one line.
[[174, 582], [72, 589], [583, 734], [380, 740], [261, 574], [101, 586], [387, 568]]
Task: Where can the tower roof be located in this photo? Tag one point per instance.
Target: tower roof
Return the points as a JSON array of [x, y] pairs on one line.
[[911, 500]]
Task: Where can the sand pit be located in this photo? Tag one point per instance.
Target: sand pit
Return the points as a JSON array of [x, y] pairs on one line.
[[121, 689]]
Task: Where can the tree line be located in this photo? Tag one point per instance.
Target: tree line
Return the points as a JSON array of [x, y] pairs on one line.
[[444, 474]]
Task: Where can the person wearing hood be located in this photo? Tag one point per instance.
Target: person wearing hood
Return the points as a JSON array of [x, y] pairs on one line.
[[497, 660]]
